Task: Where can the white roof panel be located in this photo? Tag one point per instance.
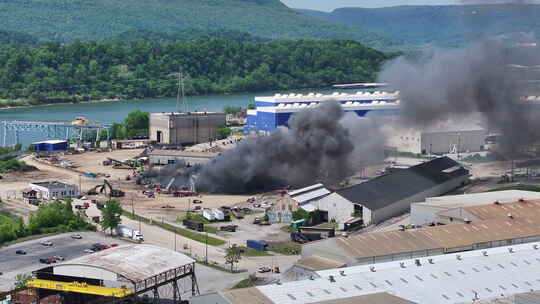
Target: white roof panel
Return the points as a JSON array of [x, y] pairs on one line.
[[451, 278]]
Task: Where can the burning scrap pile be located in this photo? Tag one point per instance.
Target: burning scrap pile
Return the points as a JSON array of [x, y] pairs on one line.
[[323, 144]]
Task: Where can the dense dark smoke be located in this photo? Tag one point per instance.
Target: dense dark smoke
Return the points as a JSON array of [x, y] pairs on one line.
[[476, 79], [321, 145]]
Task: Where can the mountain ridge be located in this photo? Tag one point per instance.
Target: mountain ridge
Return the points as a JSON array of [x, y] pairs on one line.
[[441, 25], [71, 20]]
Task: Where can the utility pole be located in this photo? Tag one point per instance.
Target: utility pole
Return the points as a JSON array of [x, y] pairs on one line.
[[174, 239], [206, 242]]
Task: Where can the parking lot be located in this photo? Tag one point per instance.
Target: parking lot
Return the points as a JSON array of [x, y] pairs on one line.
[[12, 264]]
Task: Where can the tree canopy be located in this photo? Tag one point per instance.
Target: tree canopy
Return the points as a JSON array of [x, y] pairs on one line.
[[84, 71], [111, 215]]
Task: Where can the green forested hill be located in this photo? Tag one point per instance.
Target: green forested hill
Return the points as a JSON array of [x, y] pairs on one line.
[[70, 20], [441, 25], [134, 69], [10, 37]]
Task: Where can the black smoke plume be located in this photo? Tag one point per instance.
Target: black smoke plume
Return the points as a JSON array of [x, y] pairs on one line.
[[480, 78], [321, 145]]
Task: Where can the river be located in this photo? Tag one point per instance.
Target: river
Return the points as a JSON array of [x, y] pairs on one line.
[[115, 111]]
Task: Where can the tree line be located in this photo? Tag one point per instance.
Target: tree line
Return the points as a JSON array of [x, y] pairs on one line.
[[84, 71], [49, 218]]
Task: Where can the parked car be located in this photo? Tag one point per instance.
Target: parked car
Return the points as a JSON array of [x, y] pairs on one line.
[[114, 245], [257, 221], [76, 236], [20, 251], [167, 207], [89, 251], [58, 258], [197, 208], [197, 201], [264, 269], [46, 243]]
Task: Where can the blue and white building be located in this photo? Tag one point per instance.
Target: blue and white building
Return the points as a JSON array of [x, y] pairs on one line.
[[274, 111]]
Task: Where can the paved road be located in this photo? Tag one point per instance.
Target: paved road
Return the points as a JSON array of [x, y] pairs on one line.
[[12, 264]]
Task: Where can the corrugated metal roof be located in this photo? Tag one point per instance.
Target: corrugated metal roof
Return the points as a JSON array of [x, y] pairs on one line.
[[246, 295], [530, 208], [525, 223], [316, 263], [309, 196], [376, 298], [385, 190], [306, 189], [449, 278], [133, 262]]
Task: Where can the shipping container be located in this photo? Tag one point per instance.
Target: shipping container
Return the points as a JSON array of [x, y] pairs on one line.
[[197, 226]]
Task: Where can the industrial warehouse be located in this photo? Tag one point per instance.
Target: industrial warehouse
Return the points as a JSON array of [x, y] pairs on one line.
[[118, 274], [185, 128], [275, 111]]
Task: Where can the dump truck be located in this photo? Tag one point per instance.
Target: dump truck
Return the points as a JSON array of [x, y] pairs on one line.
[[129, 233]]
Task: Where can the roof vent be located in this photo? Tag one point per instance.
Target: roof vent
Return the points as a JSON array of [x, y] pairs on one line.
[[497, 203], [331, 279], [372, 268], [535, 247], [344, 234], [511, 250], [510, 216], [521, 200], [311, 277], [402, 264], [485, 253], [467, 221], [278, 282], [431, 261], [459, 257], [342, 273], [417, 262]]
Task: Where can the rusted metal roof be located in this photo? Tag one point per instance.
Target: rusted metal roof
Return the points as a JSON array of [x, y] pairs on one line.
[[376, 298], [316, 263], [526, 208], [495, 225], [246, 295], [134, 262]]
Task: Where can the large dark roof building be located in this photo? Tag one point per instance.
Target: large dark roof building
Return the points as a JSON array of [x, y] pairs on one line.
[[391, 195], [384, 191]]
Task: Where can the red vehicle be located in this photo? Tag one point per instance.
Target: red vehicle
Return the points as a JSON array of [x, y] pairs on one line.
[[103, 247], [114, 245], [184, 193], [86, 205]]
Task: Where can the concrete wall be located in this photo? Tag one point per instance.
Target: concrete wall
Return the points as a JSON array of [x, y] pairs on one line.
[[404, 205], [182, 129], [159, 122], [339, 209], [443, 142]]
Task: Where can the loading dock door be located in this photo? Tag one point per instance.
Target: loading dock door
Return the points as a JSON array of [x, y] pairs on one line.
[[158, 135]]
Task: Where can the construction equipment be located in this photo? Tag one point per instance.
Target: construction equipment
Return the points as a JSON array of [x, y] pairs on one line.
[[103, 189], [80, 288]]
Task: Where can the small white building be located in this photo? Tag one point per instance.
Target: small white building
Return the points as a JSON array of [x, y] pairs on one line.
[[429, 211], [442, 139], [54, 190]]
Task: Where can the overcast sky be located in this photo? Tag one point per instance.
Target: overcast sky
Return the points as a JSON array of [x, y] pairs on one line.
[[329, 5]]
